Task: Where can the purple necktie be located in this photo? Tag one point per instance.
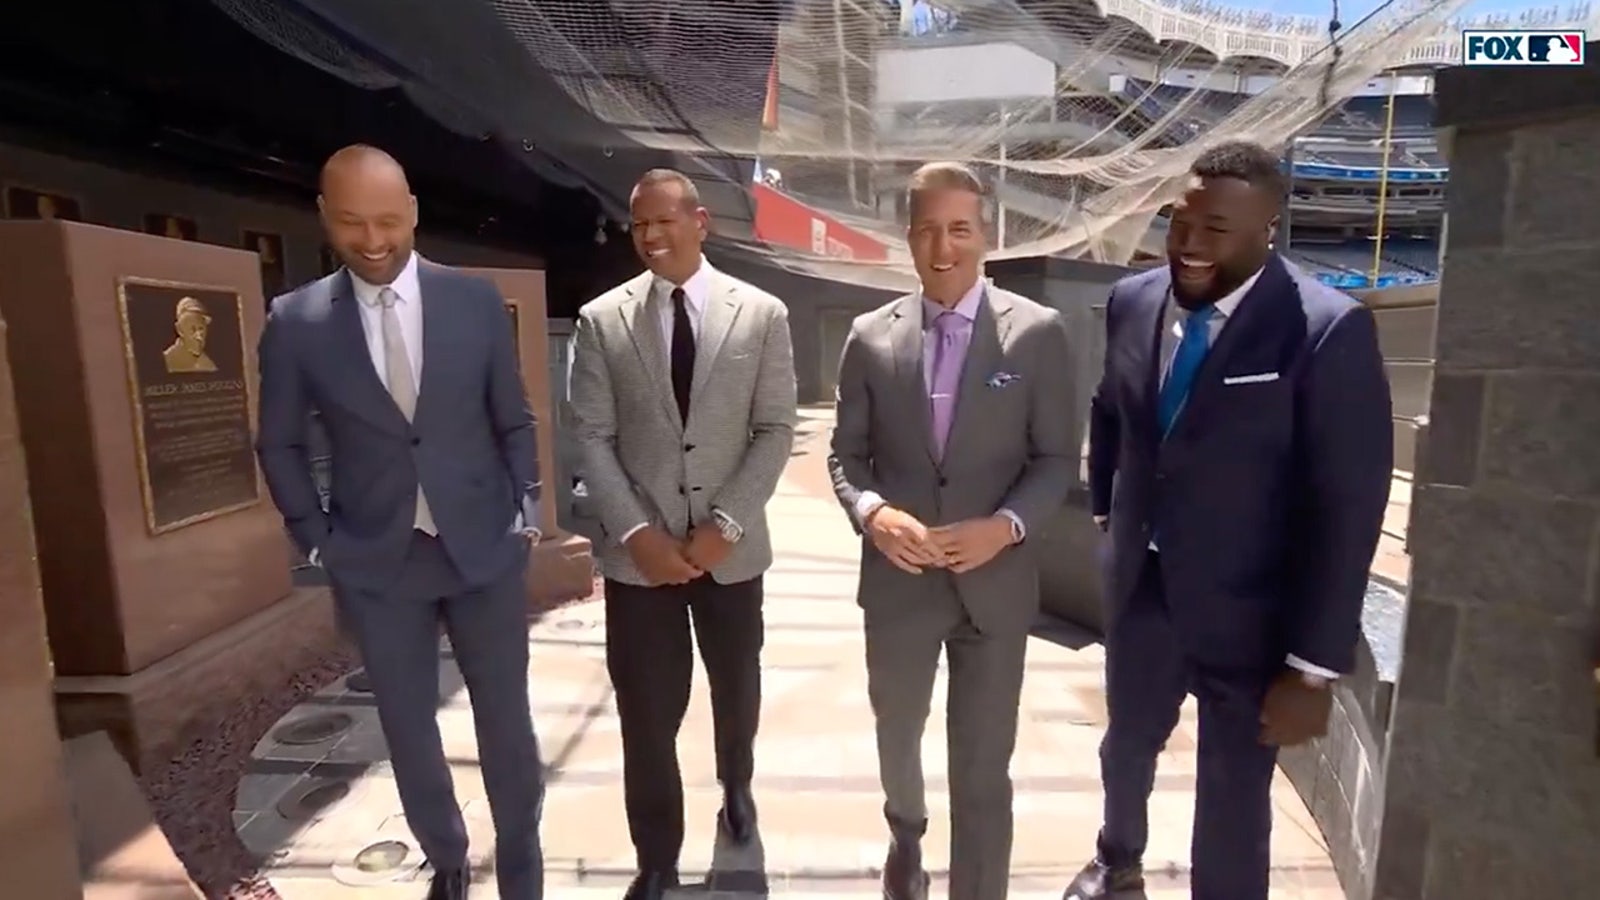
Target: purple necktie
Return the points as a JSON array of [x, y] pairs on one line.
[[951, 334]]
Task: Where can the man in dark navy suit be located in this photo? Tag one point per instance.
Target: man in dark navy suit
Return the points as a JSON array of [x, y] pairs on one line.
[[412, 367], [1240, 455]]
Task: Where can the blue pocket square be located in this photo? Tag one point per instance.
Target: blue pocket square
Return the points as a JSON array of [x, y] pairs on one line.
[[1001, 379]]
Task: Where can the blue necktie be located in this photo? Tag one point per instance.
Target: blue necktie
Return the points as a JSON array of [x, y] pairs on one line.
[[1185, 364]]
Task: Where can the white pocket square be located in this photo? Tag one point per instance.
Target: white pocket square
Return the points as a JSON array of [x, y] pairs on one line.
[[1251, 379]]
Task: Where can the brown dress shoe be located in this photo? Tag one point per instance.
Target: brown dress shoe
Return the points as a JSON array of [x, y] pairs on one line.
[[1099, 881]]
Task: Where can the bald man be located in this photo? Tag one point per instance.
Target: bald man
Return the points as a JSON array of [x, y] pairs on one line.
[[413, 371]]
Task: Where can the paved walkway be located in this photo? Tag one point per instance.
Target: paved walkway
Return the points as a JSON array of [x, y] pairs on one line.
[[308, 808]]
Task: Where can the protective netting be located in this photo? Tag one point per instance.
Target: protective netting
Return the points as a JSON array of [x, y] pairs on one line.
[[794, 104]]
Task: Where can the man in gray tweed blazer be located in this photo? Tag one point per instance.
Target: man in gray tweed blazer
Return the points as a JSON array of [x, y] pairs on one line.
[[683, 389], [954, 442]]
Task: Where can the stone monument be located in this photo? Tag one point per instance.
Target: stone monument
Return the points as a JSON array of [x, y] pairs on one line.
[[1493, 780], [166, 593], [37, 853], [562, 566]]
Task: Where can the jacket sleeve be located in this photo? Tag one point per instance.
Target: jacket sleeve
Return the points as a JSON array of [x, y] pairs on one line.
[[283, 434], [850, 465], [1105, 428], [1345, 449], [515, 425], [1053, 452], [772, 421]]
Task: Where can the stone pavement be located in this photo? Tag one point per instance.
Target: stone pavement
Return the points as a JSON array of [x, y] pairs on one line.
[[318, 790]]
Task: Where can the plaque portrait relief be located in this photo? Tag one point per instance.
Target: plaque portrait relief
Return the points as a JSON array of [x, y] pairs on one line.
[[269, 247], [26, 203], [175, 227], [191, 400]]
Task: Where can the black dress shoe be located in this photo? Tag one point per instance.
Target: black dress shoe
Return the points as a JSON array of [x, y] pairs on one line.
[[903, 875], [651, 884], [738, 816], [450, 884], [1099, 881]]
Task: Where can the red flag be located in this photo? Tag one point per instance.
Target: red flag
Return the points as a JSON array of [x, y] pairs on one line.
[[769, 110]]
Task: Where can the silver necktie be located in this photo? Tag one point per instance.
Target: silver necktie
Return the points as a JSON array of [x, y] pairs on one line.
[[402, 386]]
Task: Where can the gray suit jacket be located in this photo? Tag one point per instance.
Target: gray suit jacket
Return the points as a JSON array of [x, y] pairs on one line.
[[470, 444], [640, 463], [1011, 445]]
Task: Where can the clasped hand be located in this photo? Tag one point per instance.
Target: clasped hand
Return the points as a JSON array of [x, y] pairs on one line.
[[662, 559], [961, 547]]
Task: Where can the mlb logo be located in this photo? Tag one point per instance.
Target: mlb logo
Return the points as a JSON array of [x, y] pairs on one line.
[[1522, 48]]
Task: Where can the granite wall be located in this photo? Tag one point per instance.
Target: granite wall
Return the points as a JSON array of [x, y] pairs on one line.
[[1493, 786]]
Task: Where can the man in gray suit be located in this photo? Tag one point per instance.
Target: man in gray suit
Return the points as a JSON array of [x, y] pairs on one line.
[[953, 444], [412, 367], [683, 389]]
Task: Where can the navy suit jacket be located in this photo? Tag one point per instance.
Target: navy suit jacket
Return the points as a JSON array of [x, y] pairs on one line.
[[1268, 494], [470, 443]]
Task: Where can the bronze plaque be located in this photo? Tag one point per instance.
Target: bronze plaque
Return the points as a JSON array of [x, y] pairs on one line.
[[191, 400]]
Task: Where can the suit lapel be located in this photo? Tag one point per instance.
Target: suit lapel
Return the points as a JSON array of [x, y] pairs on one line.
[[905, 346], [644, 330], [354, 355], [438, 336], [1150, 326], [722, 309], [985, 353]]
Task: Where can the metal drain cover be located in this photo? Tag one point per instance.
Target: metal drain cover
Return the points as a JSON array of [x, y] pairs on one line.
[[311, 798], [358, 682], [313, 729], [384, 856]]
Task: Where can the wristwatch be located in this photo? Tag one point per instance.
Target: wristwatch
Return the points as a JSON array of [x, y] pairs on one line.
[[731, 532], [1313, 681]]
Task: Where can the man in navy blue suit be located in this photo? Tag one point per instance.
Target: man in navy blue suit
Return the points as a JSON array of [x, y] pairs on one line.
[[1240, 455], [412, 368]]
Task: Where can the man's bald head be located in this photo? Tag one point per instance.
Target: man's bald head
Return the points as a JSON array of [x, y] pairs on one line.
[[361, 161], [368, 212]]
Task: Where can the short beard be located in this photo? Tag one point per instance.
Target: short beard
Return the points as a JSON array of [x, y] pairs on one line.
[[1191, 302]]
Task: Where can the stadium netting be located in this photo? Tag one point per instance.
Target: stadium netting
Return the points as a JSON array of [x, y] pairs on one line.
[[781, 94]]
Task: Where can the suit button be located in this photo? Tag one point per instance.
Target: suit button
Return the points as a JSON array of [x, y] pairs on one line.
[[943, 481], [688, 448], [415, 441], [680, 490]]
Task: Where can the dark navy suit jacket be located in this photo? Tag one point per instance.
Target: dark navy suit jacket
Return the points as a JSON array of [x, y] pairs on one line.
[[1268, 494], [470, 443]]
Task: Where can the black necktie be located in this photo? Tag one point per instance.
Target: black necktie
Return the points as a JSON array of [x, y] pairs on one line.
[[682, 352]]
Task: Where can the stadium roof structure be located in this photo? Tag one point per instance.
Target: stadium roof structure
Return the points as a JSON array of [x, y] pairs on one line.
[[591, 92]]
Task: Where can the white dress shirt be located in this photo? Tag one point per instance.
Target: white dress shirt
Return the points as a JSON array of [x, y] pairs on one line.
[[1224, 310], [967, 307], [408, 308], [696, 293]]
